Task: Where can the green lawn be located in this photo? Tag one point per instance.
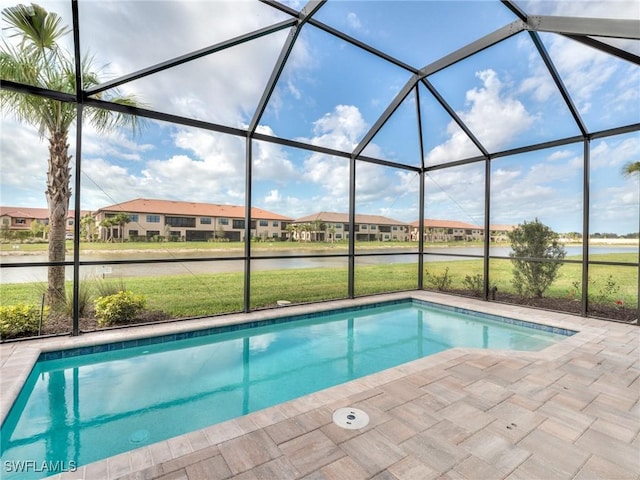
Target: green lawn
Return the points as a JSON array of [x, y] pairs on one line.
[[206, 294]]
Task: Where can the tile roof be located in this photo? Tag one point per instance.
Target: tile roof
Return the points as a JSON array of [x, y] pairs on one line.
[[499, 227], [29, 212], [174, 207], [437, 223], [334, 217]]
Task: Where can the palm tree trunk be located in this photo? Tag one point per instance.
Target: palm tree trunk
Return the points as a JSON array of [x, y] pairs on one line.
[[58, 194]]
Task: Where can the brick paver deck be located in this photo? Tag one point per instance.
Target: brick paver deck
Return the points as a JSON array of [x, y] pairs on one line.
[[571, 411]]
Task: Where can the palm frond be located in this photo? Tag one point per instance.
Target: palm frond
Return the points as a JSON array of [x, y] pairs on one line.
[[631, 168], [106, 120], [37, 28]]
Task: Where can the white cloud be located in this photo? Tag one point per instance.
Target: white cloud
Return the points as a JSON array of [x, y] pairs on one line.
[[456, 194], [493, 115], [622, 9], [341, 129], [353, 22], [224, 87], [24, 156], [273, 197], [560, 155], [270, 161], [616, 208], [612, 154]]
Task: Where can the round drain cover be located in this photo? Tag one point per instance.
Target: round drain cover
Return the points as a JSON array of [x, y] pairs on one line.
[[350, 418], [139, 436]]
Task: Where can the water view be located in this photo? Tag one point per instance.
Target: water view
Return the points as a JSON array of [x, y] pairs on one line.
[[324, 259]]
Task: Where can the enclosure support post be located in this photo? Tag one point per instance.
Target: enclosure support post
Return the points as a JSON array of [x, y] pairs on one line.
[[585, 229], [487, 229]]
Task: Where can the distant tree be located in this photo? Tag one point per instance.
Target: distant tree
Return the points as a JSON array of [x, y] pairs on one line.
[[317, 226], [88, 227], [574, 235], [291, 230], [109, 223], [37, 229], [120, 220], [5, 231], [631, 169], [219, 233], [37, 59], [332, 232], [534, 240]]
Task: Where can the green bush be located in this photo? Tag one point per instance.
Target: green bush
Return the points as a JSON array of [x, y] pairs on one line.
[[440, 282], [537, 241], [108, 286], [19, 320], [121, 307], [85, 291], [474, 283]]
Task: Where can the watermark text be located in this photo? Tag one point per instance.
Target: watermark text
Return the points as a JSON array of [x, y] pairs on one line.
[[35, 466]]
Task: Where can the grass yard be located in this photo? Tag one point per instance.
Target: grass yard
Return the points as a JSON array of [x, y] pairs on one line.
[[193, 295]]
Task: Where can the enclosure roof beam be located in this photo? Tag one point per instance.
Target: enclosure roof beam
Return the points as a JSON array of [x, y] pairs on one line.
[[599, 27], [192, 56], [515, 9], [39, 91], [606, 48], [362, 45], [392, 107], [472, 48], [452, 113], [305, 15], [558, 81]]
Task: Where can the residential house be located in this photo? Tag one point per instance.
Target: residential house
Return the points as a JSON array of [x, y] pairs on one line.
[[453, 231], [499, 233], [189, 221], [332, 226], [447, 231], [21, 219]]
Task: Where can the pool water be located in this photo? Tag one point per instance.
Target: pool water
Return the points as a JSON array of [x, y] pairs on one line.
[[87, 407]]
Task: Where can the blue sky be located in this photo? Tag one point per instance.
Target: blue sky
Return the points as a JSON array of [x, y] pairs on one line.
[[331, 93]]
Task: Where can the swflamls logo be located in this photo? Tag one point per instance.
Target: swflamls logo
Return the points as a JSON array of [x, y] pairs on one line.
[[33, 466]]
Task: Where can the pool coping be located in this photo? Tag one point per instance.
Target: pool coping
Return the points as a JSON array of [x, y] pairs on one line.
[[17, 360]]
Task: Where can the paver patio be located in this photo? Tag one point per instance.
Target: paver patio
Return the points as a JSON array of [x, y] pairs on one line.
[[571, 411]]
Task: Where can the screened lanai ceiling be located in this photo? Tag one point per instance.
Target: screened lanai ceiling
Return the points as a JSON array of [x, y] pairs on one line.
[[409, 85]]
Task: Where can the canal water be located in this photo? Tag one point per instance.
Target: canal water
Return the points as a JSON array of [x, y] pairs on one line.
[[184, 266]]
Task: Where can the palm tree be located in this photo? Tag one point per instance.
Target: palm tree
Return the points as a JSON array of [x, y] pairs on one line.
[[317, 226], [631, 168], [291, 229], [88, 227], [332, 233], [120, 220], [36, 59], [108, 223]]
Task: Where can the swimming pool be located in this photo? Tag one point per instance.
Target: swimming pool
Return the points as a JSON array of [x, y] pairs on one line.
[[82, 405]]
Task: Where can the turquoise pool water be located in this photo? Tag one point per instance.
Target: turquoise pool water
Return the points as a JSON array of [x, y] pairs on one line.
[[78, 407]]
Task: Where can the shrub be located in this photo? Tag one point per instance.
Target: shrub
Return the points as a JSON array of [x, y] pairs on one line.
[[601, 291], [439, 282], [84, 299], [19, 320], [121, 307], [534, 240], [105, 287], [474, 283]]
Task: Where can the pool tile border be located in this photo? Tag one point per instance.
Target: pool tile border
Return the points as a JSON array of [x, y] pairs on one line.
[[235, 327], [107, 347], [501, 318]]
